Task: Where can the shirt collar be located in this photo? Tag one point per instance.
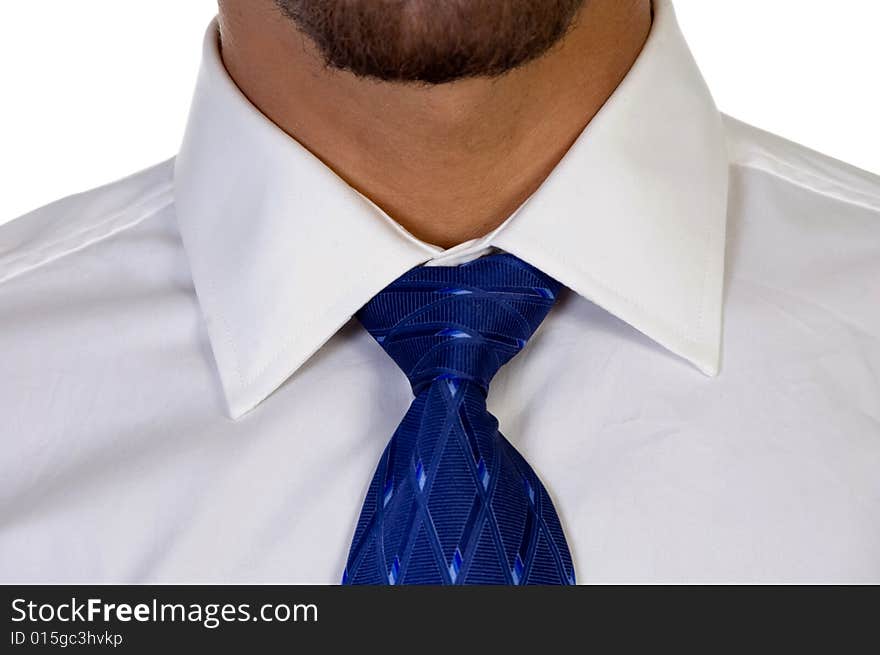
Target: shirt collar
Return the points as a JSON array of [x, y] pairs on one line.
[[283, 252]]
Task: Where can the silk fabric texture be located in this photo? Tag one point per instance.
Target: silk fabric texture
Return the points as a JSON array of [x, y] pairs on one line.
[[452, 501]]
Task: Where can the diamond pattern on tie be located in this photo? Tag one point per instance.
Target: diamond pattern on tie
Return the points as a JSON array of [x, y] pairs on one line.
[[452, 501]]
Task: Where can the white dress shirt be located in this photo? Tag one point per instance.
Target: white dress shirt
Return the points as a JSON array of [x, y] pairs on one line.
[[185, 397]]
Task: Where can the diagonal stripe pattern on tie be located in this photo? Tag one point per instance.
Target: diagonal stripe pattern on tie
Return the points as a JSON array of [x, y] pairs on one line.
[[452, 501]]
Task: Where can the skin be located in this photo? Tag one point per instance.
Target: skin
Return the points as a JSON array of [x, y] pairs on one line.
[[449, 162]]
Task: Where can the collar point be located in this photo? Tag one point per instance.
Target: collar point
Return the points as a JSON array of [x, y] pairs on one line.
[[709, 369], [705, 356]]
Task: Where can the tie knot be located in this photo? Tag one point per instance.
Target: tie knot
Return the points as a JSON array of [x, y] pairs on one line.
[[459, 323]]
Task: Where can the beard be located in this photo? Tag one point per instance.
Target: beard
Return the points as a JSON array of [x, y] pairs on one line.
[[431, 41]]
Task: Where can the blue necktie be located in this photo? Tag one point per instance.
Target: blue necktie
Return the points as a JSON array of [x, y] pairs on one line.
[[452, 501]]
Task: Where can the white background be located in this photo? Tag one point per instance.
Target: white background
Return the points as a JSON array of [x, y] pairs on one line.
[[96, 89]]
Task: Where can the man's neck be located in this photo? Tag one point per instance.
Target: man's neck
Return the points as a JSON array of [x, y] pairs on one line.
[[449, 162]]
